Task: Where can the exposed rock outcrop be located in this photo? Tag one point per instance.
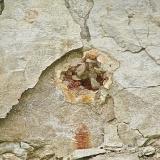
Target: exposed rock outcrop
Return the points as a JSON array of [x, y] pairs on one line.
[[79, 79]]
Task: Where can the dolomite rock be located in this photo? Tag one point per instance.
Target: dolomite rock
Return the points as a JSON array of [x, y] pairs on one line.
[[147, 151], [117, 157], [44, 115], [137, 24], [80, 12], [127, 135], [158, 155], [142, 141], [153, 51], [33, 35], [84, 153], [139, 108], [137, 70], [43, 125], [14, 150], [9, 156], [43, 152], [111, 138], [134, 43]]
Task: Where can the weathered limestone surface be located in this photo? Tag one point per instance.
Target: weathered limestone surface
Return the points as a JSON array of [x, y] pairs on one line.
[[126, 30], [117, 157], [33, 35], [38, 39]]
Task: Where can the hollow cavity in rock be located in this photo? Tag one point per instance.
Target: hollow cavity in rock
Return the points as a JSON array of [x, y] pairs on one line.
[[81, 78], [85, 73]]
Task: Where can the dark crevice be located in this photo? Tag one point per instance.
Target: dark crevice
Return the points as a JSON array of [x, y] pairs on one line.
[[151, 57], [80, 20], [1, 6], [138, 51], [85, 34], [85, 74]]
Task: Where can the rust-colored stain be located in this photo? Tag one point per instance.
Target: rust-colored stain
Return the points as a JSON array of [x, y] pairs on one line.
[[85, 74], [82, 137], [87, 99], [82, 77], [76, 95], [73, 84]]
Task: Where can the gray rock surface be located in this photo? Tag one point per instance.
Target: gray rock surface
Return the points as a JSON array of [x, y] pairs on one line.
[[46, 115], [86, 153], [147, 151], [111, 138], [33, 35], [117, 157]]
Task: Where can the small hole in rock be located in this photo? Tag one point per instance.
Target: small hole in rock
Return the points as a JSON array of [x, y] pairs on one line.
[[86, 73]]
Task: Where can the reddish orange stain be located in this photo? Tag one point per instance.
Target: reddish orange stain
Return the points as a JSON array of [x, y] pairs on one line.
[[82, 137], [73, 84], [86, 99]]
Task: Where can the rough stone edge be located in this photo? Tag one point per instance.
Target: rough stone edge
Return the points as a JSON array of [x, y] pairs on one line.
[[85, 40], [28, 88], [2, 6]]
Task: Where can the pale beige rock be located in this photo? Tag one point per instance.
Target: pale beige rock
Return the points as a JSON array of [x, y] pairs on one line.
[[13, 148], [42, 152], [128, 135], [111, 138], [158, 155], [100, 157], [128, 26], [132, 25], [36, 33], [154, 52], [117, 157], [33, 35], [142, 141], [80, 10], [139, 108], [9, 156], [108, 110], [136, 70], [26, 146], [147, 151], [84, 153], [44, 115]]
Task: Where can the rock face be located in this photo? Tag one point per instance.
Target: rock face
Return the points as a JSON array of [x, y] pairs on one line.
[[79, 79], [48, 36], [1, 6]]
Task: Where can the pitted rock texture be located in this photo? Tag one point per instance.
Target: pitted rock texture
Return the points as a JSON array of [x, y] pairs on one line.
[[43, 114], [39, 39]]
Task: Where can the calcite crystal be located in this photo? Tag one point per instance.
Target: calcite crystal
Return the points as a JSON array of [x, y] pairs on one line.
[[81, 79]]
